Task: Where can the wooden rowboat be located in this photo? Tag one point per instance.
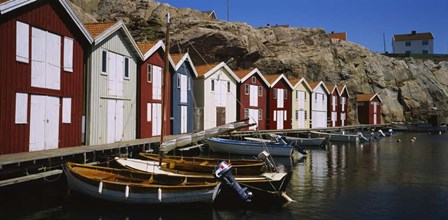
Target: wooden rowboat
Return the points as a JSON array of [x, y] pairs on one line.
[[207, 165], [278, 148], [303, 142], [126, 186]]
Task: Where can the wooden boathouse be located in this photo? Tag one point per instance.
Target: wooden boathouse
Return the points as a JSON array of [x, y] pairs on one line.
[[300, 103], [182, 96], [319, 106], [42, 59], [279, 102], [343, 105], [150, 76], [333, 103], [111, 99], [369, 108], [252, 93]]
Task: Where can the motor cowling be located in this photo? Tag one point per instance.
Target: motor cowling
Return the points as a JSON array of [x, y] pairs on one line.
[[224, 174]]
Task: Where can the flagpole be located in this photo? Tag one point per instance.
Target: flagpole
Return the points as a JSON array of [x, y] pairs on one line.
[[164, 85]]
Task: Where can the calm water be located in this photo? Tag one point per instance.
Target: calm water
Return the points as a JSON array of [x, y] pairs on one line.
[[383, 179]]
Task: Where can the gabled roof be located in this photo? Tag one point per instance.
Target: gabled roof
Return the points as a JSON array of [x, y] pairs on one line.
[[413, 36], [368, 97], [314, 85], [102, 30], [179, 59], [332, 87], [8, 6], [296, 82], [341, 89], [204, 71], [340, 35], [245, 74], [148, 48], [275, 78]]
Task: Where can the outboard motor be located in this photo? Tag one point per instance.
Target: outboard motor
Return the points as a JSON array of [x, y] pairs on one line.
[[362, 137], [382, 133], [224, 175], [299, 148], [266, 158]]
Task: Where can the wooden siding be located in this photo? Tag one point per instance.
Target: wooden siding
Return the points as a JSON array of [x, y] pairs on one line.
[[185, 69], [331, 112], [295, 106], [342, 109], [145, 95], [97, 91], [244, 100], [272, 106], [16, 76]]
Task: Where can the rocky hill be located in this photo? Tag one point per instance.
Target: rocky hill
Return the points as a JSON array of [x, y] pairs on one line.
[[408, 87]]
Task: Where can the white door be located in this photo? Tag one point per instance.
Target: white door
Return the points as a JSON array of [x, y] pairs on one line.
[[112, 74], [301, 122], [333, 118], [183, 119], [253, 118], [156, 119], [157, 82], [280, 98], [374, 119], [183, 88], [44, 123], [280, 119], [114, 121]]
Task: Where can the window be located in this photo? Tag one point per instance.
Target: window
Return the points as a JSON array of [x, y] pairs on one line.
[[178, 81], [285, 115], [297, 94], [22, 42], [126, 68], [315, 96], [285, 96], [246, 113], [228, 87], [275, 115], [297, 115], [260, 114], [246, 89], [213, 85], [408, 43], [68, 54], [425, 51], [323, 97], [260, 91], [66, 110], [408, 52], [425, 42], [104, 62], [275, 93], [149, 68], [254, 79], [305, 115], [189, 83], [21, 108], [148, 111]]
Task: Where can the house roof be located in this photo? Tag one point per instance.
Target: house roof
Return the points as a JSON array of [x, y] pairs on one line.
[[367, 97], [179, 59], [245, 74], [331, 87], [275, 78], [341, 89], [204, 71], [314, 85], [416, 36], [296, 82], [340, 36], [8, 6], [101, 30], [148, 48], [98, 28]]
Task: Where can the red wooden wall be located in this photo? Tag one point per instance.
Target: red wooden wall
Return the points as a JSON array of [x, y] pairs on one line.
[[16, 76], [342, 109], [244, 100], [144, 93], [272, 106], [330, 107]]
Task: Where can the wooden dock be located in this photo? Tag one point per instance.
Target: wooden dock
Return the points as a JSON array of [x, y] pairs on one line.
[[20, 167]]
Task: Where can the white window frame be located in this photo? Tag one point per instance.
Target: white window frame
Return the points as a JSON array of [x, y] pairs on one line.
[[21, 108], [68, 54], [67, 110], [107, 62], [22, 39]]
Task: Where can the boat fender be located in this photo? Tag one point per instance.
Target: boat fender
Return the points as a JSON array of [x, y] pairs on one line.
[[100, 187], [159, 194], [126, 192], [224, 174]]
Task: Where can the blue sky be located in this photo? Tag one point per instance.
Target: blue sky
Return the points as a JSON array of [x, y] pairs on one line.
[[365, 21]]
